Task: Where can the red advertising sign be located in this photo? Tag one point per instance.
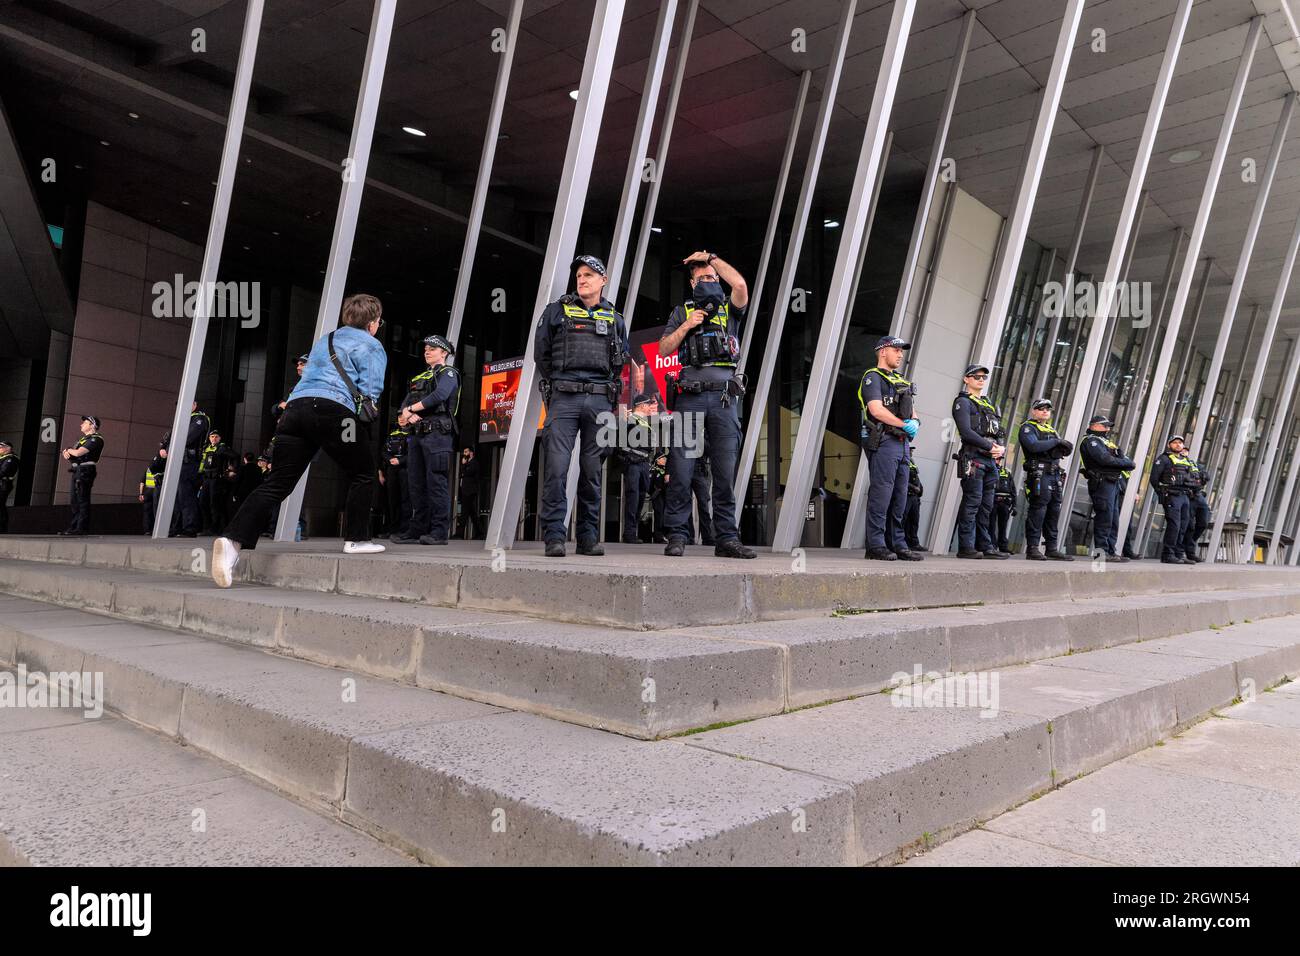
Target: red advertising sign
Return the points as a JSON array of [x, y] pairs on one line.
[[498, 390]]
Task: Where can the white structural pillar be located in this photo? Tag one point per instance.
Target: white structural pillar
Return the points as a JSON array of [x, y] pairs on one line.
[[571, 198], [1288, 490], [211, 265], [1073, 423], [345, 221], [756, 400], [484, 180], [995, 314], [1244, 257], [1242, 435], [1189, 269], [805, 460], [1280, 420], [855, 530]]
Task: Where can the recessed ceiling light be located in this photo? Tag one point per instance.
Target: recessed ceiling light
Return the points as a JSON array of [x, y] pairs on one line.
[[246, 248], [831, 224], [78, 166], [656, 229], [185, 202], [1185, 156], [133, 115], [573, 95], [413, 131], [503, 137], [274, 233], [104, 142]]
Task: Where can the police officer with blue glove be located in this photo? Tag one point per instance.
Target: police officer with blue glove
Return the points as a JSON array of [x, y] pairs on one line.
[[429, 412], [980, 425], [580, 347], [888, 425], [1043, 448]]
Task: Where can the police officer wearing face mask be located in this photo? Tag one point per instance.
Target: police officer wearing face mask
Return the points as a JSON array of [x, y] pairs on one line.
[[705, 334], [1173, 478], [888, 424], [429, 411], [1106, 467], [1043, 448], [83, 456], [980, 425], [8, 476], [580, 347]]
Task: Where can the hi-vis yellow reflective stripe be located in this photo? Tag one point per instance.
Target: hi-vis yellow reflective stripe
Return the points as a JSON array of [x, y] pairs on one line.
[[150, 479], [1115, 448], [892, 378], [578, 312], [1043, 427], [982, 402]]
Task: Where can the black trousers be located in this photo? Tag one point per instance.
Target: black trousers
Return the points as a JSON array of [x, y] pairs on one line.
[[187, 498], [307, 426], [1002, 508], [216, 508], [636, 485], [83, 479], [397, 495], [148, 506]]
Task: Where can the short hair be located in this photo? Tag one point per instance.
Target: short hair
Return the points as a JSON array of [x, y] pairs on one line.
[[695, 265], [360, 310]]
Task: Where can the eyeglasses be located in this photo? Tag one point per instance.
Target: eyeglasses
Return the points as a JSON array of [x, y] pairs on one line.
[[979, 378], [703, 278]]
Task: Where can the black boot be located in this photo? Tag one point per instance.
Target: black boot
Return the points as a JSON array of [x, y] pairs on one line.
[[880, 554], [1033, 554]]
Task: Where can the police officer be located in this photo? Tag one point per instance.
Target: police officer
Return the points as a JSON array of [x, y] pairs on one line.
[[1004, 504], [187, 495], [912, 511], [888, 423], [430, 410], [278, 408], [148, 496], [8, 477], [982, 438], [1199, 519], [704, 332], [580, 347], [83, 455], [393, 476], [1043, 448], [1173, 478], [1106, 468], [637, 454], [214, 496]]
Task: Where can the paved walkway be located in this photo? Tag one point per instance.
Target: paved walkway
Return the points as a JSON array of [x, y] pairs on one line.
[[1224, 793]]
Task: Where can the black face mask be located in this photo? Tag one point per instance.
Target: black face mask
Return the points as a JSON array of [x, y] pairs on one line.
[[708, 296]]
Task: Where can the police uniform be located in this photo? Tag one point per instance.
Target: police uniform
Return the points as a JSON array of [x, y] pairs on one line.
[[214, 496], [707, 387], [1106, 467], [83, 478], [1172, 476], [912, 510], [8, 477], [396, 484], [429, 449], [1043, 447], [980, 425], [580, 353], [1004, 506], [1199, 518], [888, 455], [149, 482], [187, 495], [637, 455]]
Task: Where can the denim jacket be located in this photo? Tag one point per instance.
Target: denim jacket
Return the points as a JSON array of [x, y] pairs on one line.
[[359, 352]]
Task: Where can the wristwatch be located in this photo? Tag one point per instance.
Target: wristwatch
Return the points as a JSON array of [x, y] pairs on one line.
[[709, 260]]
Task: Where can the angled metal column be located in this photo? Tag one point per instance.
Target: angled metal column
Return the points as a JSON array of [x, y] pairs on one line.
[[1286, 388], [806, 457], [773, 219], [1046, 360], [995, 314], [345, 221], [1284, 520], [1185, 279], [1233, 398], [598, 64], [1243, 258], [756, 400], [1073, 423], [484, 180], [1239, 439], [652, 198], [1169, 415], [211, 265], [1015, 395]]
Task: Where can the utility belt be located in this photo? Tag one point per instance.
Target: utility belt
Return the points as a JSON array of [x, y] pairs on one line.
[[443, 424], [1042, 466], [873, 434], [1094, 474], [966, 459], [608, 389], [82, 469], [733, 387], [1174, 491]]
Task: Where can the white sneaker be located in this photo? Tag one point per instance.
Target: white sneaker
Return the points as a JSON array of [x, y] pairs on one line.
[[225, 555], [361, 547]]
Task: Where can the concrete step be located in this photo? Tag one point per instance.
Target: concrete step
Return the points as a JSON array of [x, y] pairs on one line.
[[636, 587], [638, 683], [100, 791], [455, 781]]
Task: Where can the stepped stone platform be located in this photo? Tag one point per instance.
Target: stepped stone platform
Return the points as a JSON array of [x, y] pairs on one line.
[[557, 717]]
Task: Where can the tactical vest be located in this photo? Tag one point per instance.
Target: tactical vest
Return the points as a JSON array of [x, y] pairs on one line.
[[426, 383], [1181, 474], [711, 343], [150, 479], [85, 461], [1092, 471], [643, 450], [899, 400], [8, 468], [205, 463], [587, 340], [988, 423], [1043, 429]]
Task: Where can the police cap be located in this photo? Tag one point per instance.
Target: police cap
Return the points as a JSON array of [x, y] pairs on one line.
[[302, 359], [972, 369], [643, 397], [1100, 420], [94, 422], [438, 342], [1174, 438], [1042, 403], [892, 342], [591, 262]]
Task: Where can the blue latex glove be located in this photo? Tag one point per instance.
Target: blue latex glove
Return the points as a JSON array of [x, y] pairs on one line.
[[911, 426]]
